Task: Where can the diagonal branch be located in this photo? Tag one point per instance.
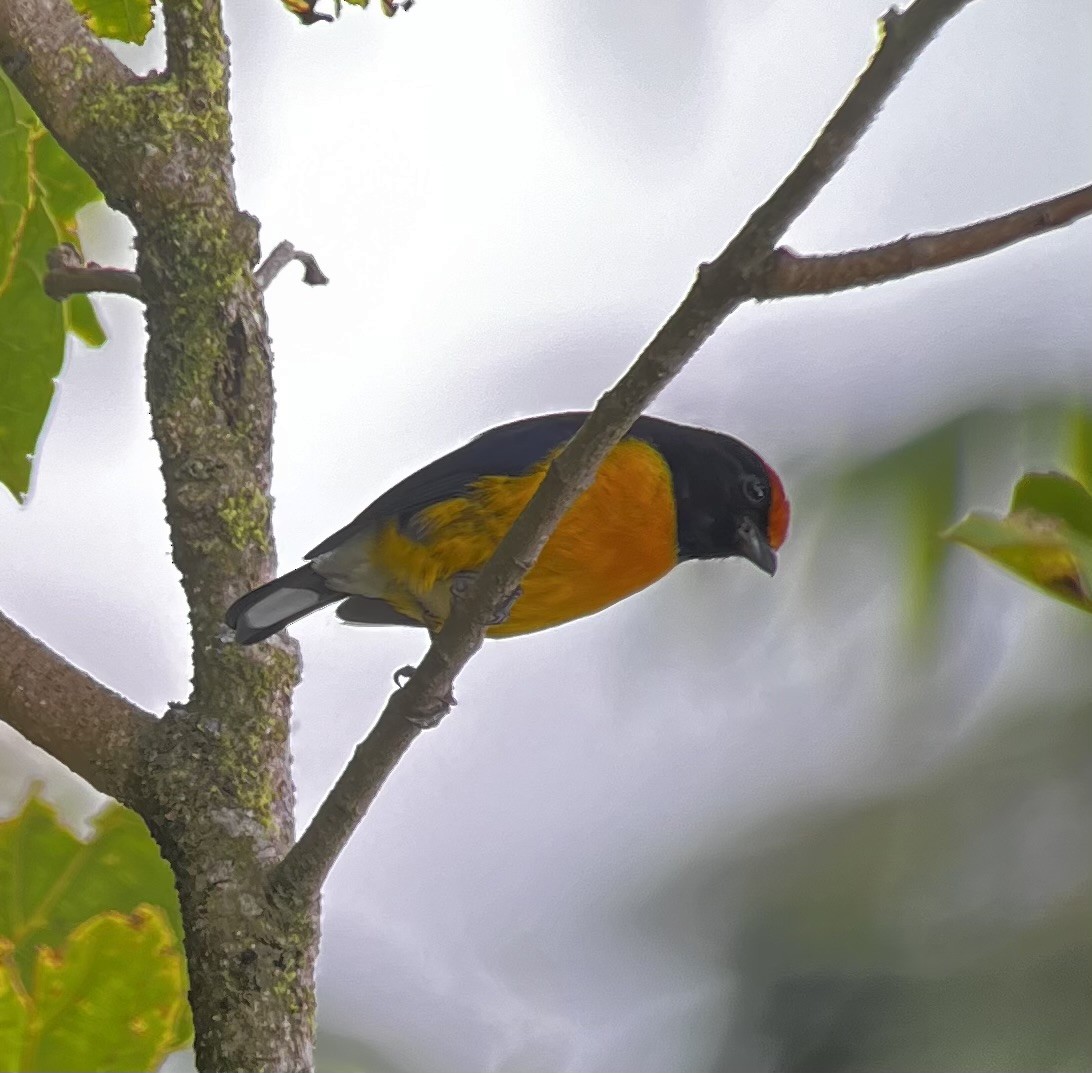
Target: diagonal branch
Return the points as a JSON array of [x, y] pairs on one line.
[[69, 77], [721, 287], [75, 719], [787, 274]]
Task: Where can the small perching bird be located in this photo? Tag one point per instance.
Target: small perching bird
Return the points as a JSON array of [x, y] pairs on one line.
[[665, 494]]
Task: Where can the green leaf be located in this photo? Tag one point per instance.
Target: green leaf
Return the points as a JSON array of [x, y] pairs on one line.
[[107, 1000], [1040, 548], [80, 320], [122, 20], [51, 881], [1056, 496], [1080, 444], [922, 476], [31, 349], [63, 185], [41, 190], [14, 1013]]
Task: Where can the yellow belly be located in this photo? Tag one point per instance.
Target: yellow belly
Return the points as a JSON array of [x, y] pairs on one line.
[[618, 537]]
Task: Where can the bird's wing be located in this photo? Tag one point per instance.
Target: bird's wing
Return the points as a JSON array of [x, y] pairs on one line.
[[372, 611], [507, 451]]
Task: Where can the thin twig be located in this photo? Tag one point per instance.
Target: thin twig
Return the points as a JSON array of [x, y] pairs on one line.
[[283, 254], [93, 279], [89, 728], [720, 288], [787, 273], [67, 274]]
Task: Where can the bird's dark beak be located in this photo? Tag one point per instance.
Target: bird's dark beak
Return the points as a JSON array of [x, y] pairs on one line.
[[755, 547]]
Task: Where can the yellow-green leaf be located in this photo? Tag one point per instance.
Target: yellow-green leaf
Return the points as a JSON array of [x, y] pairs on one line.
[[80, 320], [123, 20], [41, 190], [14, 1012], [108, 999], [1056, 496], [1042, 549], [1080, 443], [51, 882]]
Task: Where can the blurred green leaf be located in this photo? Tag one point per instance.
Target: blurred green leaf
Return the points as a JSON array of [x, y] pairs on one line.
[[923, 474], [51, 882], [107, 1000], [41, 189], [1044, 540], [1055, 495], [1080, 444], [122, 20]]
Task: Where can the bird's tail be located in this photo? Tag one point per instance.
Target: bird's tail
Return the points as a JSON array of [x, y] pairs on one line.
[[261, 613]]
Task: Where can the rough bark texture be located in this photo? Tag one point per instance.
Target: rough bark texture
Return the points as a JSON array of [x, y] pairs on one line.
[[218, 773], [72, 717], [212, 779]]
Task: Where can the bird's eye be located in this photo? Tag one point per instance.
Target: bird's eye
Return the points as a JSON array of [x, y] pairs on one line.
[[754, 489]]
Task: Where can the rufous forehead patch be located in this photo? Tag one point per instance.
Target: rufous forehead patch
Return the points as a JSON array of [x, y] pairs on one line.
[[777, 527]]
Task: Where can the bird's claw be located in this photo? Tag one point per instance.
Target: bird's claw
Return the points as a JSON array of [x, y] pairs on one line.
[[461, 584], [431, 715], [427, 720]]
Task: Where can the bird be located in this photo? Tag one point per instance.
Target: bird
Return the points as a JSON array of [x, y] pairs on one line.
[[665, 494]]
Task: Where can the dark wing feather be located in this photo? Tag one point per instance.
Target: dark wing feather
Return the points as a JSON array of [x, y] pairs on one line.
[[508, 451], [511, 450], [371, 611]]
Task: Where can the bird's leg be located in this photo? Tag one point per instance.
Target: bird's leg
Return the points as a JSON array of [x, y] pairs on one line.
[[432, 715], [461, 584]]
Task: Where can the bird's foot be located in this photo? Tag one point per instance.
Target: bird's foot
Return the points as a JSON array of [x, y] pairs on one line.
[[430, 715], [461, 584]]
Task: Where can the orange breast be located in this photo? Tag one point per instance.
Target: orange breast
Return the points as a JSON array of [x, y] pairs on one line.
[[617, 538]]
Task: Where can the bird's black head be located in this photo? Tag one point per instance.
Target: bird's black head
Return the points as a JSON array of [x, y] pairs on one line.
[[728, 501]]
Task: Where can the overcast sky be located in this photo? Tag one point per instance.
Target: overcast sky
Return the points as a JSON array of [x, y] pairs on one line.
[[508, 199]]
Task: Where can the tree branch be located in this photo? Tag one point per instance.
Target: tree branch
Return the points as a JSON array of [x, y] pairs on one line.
[[68, 274], [68, 76], [63, 283], [194, 33], [720, 288], [284, 253], [787, 274], [75, 719]]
